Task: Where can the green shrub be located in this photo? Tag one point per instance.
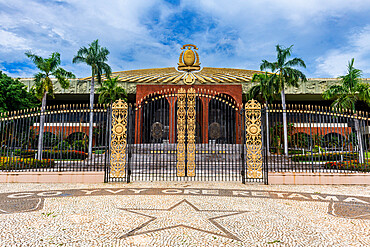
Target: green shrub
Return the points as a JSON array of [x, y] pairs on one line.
[[80, 145], [63, 145], [317, 149], [352, 165], [15, 163], [76, 136], [56, 154], [326, 156], [295, 152], [301, 140], [49, 139]]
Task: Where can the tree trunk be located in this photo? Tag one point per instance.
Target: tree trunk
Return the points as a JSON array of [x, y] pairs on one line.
[[41, 128], [285, 125], [359, 141], [91, 116]]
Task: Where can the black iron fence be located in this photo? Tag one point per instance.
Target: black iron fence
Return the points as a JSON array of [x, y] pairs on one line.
[[319, 139], [64, 145]]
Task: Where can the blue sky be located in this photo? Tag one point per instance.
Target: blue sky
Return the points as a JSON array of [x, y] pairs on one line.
[[149, 33]]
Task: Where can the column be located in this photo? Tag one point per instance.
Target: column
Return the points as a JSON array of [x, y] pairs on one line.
[[205, 104], [138, 125]]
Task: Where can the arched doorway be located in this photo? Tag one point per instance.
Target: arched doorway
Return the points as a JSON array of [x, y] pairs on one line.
[[222, 124], [155, 120]]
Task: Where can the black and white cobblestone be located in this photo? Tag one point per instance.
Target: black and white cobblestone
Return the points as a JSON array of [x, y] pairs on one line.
[[117, 219]]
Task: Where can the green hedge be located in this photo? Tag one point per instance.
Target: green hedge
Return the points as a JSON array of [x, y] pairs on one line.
[[16, 163], [295, 151], [326, 156], [56, 154]]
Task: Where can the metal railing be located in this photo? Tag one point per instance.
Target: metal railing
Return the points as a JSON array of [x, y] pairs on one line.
[[319, 140], [64, 139]]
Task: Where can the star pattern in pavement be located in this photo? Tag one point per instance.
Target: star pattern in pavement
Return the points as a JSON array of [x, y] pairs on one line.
[[182, 214]]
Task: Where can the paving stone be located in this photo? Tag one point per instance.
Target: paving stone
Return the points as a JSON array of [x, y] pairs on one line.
[[183, 214]]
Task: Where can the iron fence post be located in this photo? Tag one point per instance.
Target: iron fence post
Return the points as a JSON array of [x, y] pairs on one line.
[[129, 144], [242, 146]]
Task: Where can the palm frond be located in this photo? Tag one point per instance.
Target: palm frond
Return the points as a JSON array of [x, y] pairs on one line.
[[352, 78], [49, 66], [334, 91], [62, 72], [253, 92], [266, 87], [110, 91], [292, 76], [268, 65], [344, 102], [95, 56], [40, 62], [282, 54], [295, 62], [106, 68], [34, 58], [54, 61], [363, 90], [38, 77], [81, 55], [350, 90]]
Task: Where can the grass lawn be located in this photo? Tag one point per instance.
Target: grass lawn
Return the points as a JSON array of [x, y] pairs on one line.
[[99, 151]]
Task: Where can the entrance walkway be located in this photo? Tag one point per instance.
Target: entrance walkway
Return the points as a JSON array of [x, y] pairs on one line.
[[183, 214]]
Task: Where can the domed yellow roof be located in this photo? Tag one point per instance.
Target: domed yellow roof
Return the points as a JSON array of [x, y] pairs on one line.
[[172, 76]]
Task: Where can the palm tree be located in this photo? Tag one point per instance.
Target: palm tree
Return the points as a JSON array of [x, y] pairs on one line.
[[267, 88], [110, 91], [96, 57], [44, 86], [286, 76], [350, 90]]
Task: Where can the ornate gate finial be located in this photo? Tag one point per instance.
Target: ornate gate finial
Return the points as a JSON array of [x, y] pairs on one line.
[[189, 59]]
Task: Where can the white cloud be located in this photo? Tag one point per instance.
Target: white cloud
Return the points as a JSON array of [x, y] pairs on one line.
[[297, 12], [10, 41], [335, 61], [142, 34]]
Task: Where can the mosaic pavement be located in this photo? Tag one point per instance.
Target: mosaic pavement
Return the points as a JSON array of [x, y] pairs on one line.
[[183, 214]]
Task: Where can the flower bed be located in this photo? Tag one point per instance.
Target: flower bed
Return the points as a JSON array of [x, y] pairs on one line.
[[352, 165], [56, 154], [15, 163], [326, 156]]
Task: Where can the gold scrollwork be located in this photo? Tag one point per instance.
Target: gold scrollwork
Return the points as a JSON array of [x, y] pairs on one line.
[[191, 132], [181, 125], [253, 139], [119, 139]]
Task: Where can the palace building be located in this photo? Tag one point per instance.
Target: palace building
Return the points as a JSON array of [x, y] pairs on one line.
[[141, 83], [145, 85], [188, 122], [218, 90]]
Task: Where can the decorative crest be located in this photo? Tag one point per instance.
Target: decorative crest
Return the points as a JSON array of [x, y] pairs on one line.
[[189, 59]]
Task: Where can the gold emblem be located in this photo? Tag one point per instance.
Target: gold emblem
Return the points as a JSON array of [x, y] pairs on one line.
[[189, 59], [189, 62]]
